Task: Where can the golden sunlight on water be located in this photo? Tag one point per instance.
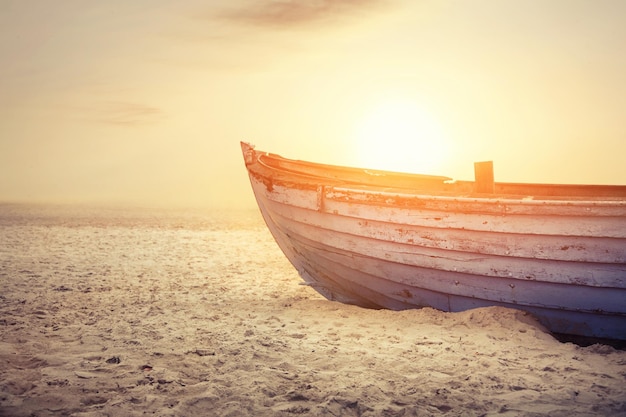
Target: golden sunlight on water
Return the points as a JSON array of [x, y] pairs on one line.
[[399, 134]]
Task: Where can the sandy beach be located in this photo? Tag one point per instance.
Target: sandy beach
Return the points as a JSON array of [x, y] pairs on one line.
[[112, 312]]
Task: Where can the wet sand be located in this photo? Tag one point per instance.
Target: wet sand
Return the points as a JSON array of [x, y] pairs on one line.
[[169, 313]]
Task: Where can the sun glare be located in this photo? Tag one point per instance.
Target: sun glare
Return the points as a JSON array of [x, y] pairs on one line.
[[400, 135]]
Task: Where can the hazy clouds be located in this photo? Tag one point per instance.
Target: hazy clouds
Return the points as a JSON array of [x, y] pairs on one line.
[[288, 14], [147, 100], [121, 113]]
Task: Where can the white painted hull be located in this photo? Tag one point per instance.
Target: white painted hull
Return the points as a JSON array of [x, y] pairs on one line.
[[562, 259]]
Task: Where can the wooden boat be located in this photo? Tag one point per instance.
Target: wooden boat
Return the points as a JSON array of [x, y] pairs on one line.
[[392, 240]]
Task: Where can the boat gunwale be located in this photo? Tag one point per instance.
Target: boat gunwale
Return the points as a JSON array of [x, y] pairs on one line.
[[487, 204], [497, 199], [448, 189]]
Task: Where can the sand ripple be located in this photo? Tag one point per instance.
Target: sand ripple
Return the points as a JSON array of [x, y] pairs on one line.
[[118, 312]]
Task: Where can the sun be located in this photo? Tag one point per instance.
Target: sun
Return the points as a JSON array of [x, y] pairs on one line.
[[400, 135]]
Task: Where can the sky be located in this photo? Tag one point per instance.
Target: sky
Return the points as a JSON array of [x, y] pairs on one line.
[[144, 102]]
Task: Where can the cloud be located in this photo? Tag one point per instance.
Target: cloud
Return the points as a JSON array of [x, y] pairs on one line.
[[121, 113], [293, 13]]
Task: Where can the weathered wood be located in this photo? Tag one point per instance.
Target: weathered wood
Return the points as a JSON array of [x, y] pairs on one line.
[[483, 173], [382, 244]]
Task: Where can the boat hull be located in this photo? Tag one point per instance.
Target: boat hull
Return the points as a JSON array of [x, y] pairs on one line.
[[387, 246]]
